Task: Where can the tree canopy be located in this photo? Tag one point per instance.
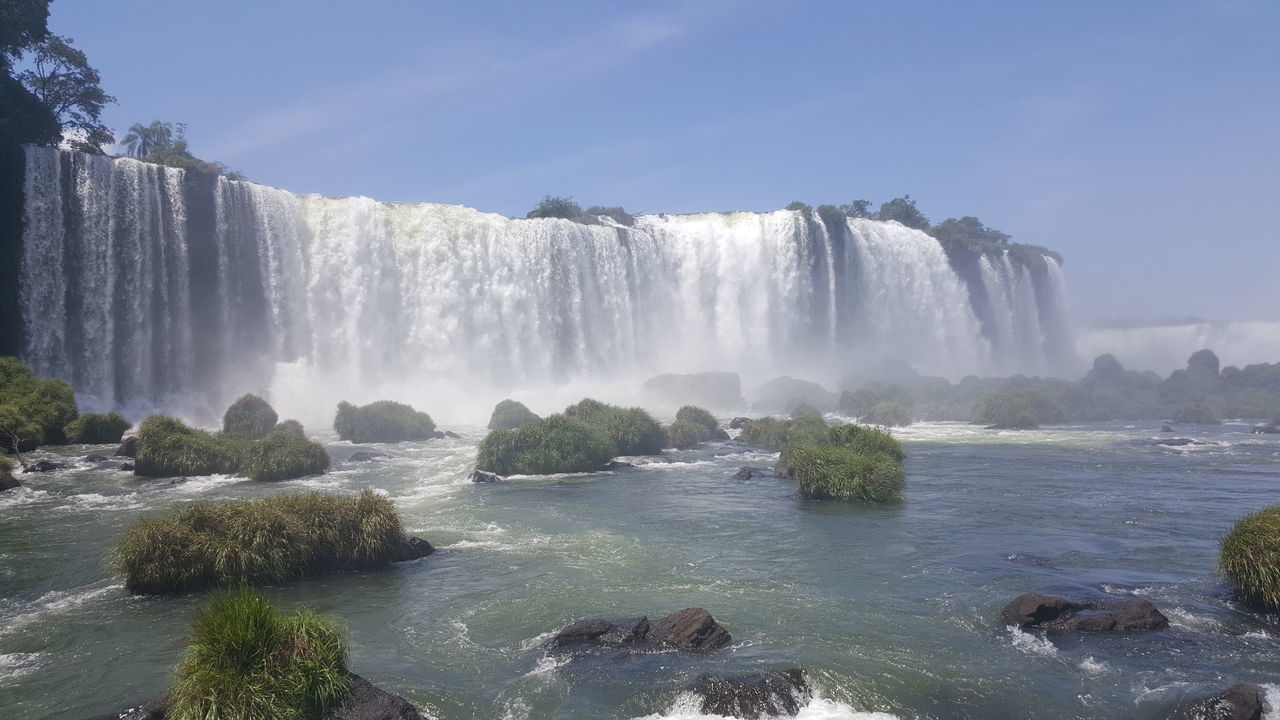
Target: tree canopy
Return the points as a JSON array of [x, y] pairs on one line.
[[555, 206], [903, 210], [60, 77]]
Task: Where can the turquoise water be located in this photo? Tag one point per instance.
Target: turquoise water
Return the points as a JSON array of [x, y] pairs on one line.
[[892, 609]]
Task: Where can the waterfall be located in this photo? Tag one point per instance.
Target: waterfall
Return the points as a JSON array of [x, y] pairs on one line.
[[142, 284]]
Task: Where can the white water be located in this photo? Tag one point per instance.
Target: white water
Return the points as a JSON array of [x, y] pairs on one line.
[[317, 299]]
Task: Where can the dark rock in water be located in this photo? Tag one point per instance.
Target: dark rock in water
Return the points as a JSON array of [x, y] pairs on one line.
[[154, 710], [738, 422], [414, 548], [1173, 442], [618, 465], [1057, 615], [126, 467], [128, 448], [750, 473], [369, 702], [8, 482], [1268, 429], [720, 434], [481, 476], [1240, 702], [752, 696], [45, 466], [436, 434], [95, 458], [364, 456], [688, 629], [451, 434], [1165, 428]]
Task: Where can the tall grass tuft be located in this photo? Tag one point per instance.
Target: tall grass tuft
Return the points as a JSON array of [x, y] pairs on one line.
[[841, 473], [97, 429], [697, 415], [775, 434], [683, 434], [168, 447], [258, 542], [284, 454], [555, 444], [384, 421], [1250, 557], [869, 440], [248, 661], [249, 417], [632, 430]]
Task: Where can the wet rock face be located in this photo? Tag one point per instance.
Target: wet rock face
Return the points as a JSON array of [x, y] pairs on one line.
[[689, 629], [480, 476], [1240, 702], [369, 702], [1057, 615], [364, 456], [752, 696], [128, 448], [414, 548]]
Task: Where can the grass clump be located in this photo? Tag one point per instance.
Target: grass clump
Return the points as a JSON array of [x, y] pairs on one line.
[[289, 427], [632, 430], [97, 429], [867, 440], [258, 542], [384, 421], [887, 414], [555, 444], [804, 409], [775, 434], [168, 447], [283, 455], [1250, 557], [511, 414], [683, 434], [838, 472], [699, 416], [248, 661], [32, 412], [250, 417]]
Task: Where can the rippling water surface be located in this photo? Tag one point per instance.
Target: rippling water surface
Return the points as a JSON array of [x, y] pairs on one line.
[[892, 609]]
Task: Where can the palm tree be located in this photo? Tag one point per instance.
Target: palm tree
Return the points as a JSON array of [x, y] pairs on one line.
[[143, 140]]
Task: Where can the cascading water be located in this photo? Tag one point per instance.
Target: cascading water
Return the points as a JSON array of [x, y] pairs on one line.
[[142, 283]]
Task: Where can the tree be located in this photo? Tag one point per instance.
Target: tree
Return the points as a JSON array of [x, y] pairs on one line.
[[23, 23], [23, 119], [60, 77], [798, 206], [903, 210], [858, 209], [142, 140], [556, 207], [967, 230]]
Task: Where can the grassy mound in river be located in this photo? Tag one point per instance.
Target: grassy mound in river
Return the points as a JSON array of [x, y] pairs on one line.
[[97, 429], [167, 447], [258, 542], [1250, 557], [248, 660], [839, 472], [683, 434], [632, 430], [555, 444], [250, 417], [511, 414], [384, 421]]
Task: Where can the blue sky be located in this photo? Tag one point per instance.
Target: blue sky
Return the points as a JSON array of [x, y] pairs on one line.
[[1141, 140]]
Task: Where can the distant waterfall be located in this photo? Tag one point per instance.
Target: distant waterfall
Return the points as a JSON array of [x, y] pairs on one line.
[[141, 284]]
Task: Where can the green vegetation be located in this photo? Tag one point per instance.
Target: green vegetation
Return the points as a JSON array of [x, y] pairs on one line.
[[258, 542], [804, 409], [165, 143], [511, 414], [168, 447], [839, 472], [867, 440], [289, 427], [888, 414], [60, 77], [32, 412], [97, 429], [384, 421], [247, 661], [555, 444], [683, 434], [554, 206], [698, 416], [798, 206], [1017, 409], [1196, 414], [284, 455], [249, 417], [1250, 557], [903, 210], [632, 430], [775, 434]]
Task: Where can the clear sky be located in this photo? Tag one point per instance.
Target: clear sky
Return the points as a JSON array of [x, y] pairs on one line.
[[1140, 139]]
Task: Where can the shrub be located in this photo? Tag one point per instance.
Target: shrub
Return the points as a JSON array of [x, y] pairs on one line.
[[632, 430], [683, 434], [841, 473], [289, 427], [775, 434], [556, 207], [283, 455], [97, 429], [867, 440], [1250, 557], [510, 414], [1196, 414], [804, 409], [384, 421], [1017, 408], [888, 414], [555, 444], [18, 433], [249, 417], [695, 414], [258, 542], [32, 412], [168, 447], [247, 660]]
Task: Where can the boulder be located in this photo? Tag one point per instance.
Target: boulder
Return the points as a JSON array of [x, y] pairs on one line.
[[451, 434], [364, 456], [689, 629], [720, 434], [126, 467], [8, 481], [128, 448], [750, 473], [369, 702], [1173, 442], [95, 458], [618, 465], [738, 422], [414, 548], [480, 476], [1240, 702], [45, 466], [752, 696], [783, 394], [1166, 428], [1057, 615]]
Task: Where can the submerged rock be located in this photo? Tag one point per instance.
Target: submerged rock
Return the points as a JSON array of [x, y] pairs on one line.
[[1240, 702], [95, 458], [128, 447], [754, 473], [8, 481], [689, 629], [752, 696], [480, 476], [618, 465], [414, 548], [126, 467], [45, 466], [364, 456], [1173, 442], [1166, 428], [154, 710], [1057, 615], [367, 701]]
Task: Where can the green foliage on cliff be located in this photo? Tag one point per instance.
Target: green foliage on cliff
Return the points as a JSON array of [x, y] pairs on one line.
[[555, 206]]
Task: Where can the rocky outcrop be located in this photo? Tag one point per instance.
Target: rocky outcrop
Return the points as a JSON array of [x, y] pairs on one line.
[[128, 448], [752, 696], [781, 395], [45, 466], [738, 422], [480, 476], [364, 456], [1057, 615], [414, 548], [1166, 429], [1240, 702], [691, 629]]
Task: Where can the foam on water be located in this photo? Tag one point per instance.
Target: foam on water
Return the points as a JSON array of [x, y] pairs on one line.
[[686, 707], [52, 603], [1031, 643]]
